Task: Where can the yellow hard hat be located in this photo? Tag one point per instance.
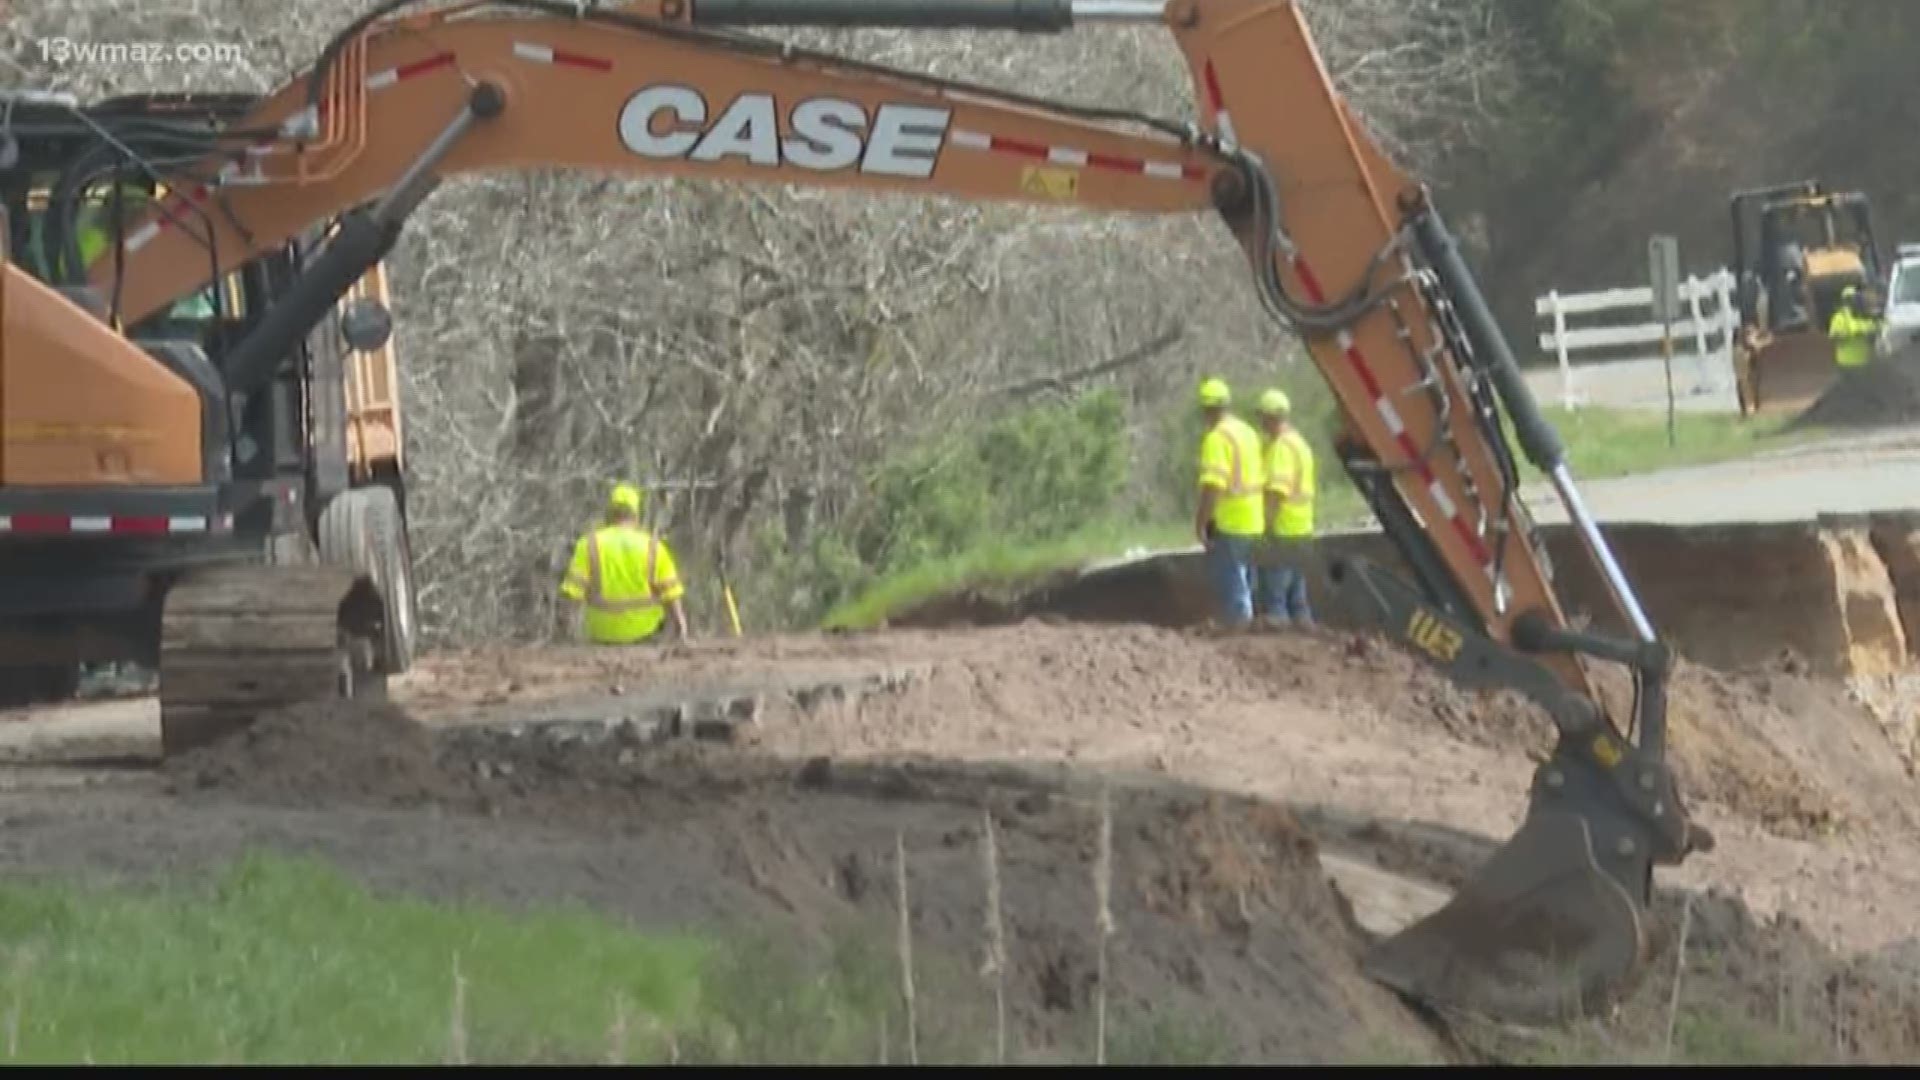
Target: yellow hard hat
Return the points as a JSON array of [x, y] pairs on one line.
[[1275, 403], [1214, 392], [625, 497]]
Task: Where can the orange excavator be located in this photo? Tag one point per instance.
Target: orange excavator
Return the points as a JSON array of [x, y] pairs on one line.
[[1344, 249]]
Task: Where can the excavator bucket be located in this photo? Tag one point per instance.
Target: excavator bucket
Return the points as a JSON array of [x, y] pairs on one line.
[[1551, 928], [1786, 374], [1543, 934]]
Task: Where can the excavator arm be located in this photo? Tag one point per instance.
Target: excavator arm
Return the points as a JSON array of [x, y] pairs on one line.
[[1343, 247]]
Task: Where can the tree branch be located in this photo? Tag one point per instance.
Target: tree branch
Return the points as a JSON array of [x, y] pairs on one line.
[[1063, 380]]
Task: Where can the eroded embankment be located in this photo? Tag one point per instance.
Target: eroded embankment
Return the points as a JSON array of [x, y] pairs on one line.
[[1225, 926], [1225, 919], [1839, 594]]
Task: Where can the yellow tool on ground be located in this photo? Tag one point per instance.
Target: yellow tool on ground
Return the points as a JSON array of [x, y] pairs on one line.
[[733, 610]]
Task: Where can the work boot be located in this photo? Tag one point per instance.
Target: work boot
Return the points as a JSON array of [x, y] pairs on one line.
[[1217, 627]]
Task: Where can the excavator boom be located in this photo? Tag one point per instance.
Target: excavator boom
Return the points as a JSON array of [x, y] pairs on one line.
[[1344, 249]]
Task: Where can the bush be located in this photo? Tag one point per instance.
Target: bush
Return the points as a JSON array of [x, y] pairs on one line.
[[1035, 475]]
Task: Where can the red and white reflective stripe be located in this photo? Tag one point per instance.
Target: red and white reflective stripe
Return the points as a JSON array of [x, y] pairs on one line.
[[547, 54], [143, 235], [1391, 416], [1388, 414], [380, 80], [114, 524], [306, 119], [175, 203], [1218, 103], [1067, 155]]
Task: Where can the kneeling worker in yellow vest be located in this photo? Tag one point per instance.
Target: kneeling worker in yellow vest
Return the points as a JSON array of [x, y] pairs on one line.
[[1290, 491], [624, 577]]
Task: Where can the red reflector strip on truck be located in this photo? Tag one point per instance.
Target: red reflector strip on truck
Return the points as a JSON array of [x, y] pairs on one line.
[[115, 525]]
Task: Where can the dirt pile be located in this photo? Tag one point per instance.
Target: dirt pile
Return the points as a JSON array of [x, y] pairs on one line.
[[1751, 989], [1771, 746], [337, 754], [1747, 991], [1226, 929], [1884, 393], [1775, 988], [1222, 906], [323, 752]]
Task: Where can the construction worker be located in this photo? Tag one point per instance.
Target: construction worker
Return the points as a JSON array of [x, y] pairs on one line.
[[1289, 510], [94, 235], [623, 576], [1852, 329], [1231, 516]]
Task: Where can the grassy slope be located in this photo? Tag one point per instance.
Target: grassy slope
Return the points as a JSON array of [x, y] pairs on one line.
[[286, 961], [281, 961], [1606, 442], [1600, 443]]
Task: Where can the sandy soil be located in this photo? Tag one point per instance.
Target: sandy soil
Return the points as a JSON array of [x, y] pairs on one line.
[[1275, 790]]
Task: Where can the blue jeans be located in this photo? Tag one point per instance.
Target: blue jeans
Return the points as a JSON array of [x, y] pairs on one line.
[[1230, 570], [1283, 589]]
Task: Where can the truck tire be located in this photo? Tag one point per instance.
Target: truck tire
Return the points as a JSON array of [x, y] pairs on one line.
[[362, 528]]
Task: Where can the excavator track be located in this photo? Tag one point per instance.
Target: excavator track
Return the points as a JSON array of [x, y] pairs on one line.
[[240, 641]]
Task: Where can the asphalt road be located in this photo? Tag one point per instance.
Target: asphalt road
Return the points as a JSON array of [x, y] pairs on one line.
[[1849, 474], [1846, 475]]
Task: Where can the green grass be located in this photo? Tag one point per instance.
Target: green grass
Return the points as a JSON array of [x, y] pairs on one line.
[[286, 961], [1600, 443], [1605, 442], [1704, 1034], [997, 565]]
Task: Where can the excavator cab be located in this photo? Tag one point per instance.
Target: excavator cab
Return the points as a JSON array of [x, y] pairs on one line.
[[142, 487], [1796, 249]]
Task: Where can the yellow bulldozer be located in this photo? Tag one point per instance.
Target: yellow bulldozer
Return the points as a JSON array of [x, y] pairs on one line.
[[1796, 247]]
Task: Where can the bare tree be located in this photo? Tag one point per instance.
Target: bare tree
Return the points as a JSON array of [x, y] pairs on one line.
[[752, 352]]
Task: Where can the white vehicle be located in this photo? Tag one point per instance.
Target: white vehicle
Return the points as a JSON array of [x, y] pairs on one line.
[[1902, 321]]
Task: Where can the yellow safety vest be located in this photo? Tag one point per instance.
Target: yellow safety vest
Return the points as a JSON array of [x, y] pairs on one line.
[[1230, 461], [1852, 338], [624, 577], [1290, 475]]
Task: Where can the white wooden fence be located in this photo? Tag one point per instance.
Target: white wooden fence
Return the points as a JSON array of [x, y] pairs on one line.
[[1702, 348]]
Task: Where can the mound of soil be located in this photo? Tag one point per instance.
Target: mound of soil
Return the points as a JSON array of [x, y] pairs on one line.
[[1750, 989], [1223, 918], [1883, 393], [320, 752], [330, 754], [1222, 907], [1747, 992]]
